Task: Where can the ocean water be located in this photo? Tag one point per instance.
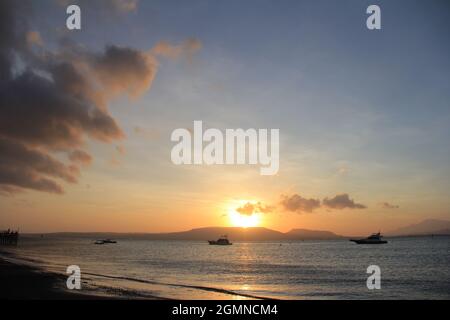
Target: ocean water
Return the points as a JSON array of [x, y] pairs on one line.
[[411, 268]]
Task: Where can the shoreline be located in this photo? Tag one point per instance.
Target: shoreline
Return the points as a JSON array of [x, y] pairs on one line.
[[23, 282], [26, 282]]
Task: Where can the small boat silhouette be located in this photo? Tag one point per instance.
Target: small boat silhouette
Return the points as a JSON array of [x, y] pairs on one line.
[[222, 241], [105, 241], [375, 238]]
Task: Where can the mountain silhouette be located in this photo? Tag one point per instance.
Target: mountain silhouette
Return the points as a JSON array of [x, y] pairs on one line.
[[426, 227], [213, 233], [295, 234]]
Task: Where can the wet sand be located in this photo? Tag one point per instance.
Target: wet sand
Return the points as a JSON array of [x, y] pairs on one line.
[[20, 282]]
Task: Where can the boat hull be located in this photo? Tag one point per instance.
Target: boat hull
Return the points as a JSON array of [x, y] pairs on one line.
[[215, 243], [364, 241]]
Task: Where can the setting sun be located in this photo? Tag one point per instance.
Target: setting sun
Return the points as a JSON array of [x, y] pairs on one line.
[[245, 221]]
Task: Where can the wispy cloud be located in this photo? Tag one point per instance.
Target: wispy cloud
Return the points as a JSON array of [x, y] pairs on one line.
[[187, 49], [387, 205]]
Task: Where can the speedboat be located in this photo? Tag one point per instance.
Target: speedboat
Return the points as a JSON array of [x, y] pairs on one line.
[[375, 238], [222, 241]]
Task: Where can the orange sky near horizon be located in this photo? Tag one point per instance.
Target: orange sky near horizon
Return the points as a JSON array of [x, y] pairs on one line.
[[40, 213]]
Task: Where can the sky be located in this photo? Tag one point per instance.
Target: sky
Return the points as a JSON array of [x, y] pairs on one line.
[[86, 116]]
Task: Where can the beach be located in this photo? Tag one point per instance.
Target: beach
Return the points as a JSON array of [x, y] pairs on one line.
[[29, 283]]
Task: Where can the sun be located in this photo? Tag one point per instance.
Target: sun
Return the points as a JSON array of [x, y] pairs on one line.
[[248, 217], [244, 221]]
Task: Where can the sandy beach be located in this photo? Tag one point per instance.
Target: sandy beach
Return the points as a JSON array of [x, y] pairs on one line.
[[21, 282]]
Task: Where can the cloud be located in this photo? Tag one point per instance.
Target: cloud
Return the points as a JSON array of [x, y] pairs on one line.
[[387, 205], [6, 190], [46, 113], [80, 157], [28, 168], [188, 48], [123, 71], [342, 201], [297, 203], [57, 100], [251, 208]]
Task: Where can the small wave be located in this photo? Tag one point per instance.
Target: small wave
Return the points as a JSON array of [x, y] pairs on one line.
[[13, 258], [197, 287]]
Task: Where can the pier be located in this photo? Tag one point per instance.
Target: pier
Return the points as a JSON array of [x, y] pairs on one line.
[[9, 237]]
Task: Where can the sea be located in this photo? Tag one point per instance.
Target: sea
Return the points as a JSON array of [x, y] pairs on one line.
[[410, 268]]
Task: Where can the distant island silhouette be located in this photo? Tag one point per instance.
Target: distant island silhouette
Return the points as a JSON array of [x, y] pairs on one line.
[[427, 227], [212, 233]]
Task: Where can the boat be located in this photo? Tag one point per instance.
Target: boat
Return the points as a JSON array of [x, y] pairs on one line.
[[222, 241], [105, 241], [375, 238], [109, 241]]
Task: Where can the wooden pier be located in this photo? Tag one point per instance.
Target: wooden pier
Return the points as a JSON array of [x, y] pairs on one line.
[[9, 237]]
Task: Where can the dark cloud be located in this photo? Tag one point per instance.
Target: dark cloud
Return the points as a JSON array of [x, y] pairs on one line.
[[23, 167], [387, 205], [342, 201], [250, 208], [41, 112], [124, 70], [55, 100], [297, 203], [9, 38]]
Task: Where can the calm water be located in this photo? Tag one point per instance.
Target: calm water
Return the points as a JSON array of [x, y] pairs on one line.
[[411, 268]]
